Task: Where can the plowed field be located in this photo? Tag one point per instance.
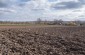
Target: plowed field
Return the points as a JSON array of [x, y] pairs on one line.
[[42, 40]]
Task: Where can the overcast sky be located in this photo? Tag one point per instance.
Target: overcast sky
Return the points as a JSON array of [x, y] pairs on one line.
[[29, 10]]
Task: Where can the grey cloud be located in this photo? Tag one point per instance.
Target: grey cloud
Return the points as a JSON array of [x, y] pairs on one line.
[[24, 0], [82, 1], [6, 10], [3, 4], [52, 0], [21, 4], [68, 5], [9, 3]]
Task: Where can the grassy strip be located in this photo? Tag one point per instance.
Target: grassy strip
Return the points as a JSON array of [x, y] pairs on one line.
[[13, 24]]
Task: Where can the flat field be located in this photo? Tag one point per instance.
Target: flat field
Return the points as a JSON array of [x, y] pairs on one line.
[[42, 40]]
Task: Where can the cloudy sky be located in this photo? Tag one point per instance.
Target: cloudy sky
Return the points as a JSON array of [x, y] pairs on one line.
[[29, 10]]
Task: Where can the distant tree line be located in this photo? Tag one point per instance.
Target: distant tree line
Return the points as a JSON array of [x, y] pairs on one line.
[[45, 22], [54, 22], [10, 22], [61, 22]]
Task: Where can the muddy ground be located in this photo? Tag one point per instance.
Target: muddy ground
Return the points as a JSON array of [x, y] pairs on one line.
[[42, 41]]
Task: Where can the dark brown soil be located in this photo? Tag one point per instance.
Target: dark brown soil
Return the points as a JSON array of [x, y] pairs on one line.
[[42, 41]]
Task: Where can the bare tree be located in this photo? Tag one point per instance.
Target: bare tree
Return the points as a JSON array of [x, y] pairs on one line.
[[78, 22], [58, 22], [38, 21]]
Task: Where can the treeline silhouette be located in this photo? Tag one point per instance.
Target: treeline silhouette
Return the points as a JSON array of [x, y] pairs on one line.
[[45, 22]]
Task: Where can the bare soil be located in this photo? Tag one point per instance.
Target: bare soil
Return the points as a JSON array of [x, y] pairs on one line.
[[42, 40]]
